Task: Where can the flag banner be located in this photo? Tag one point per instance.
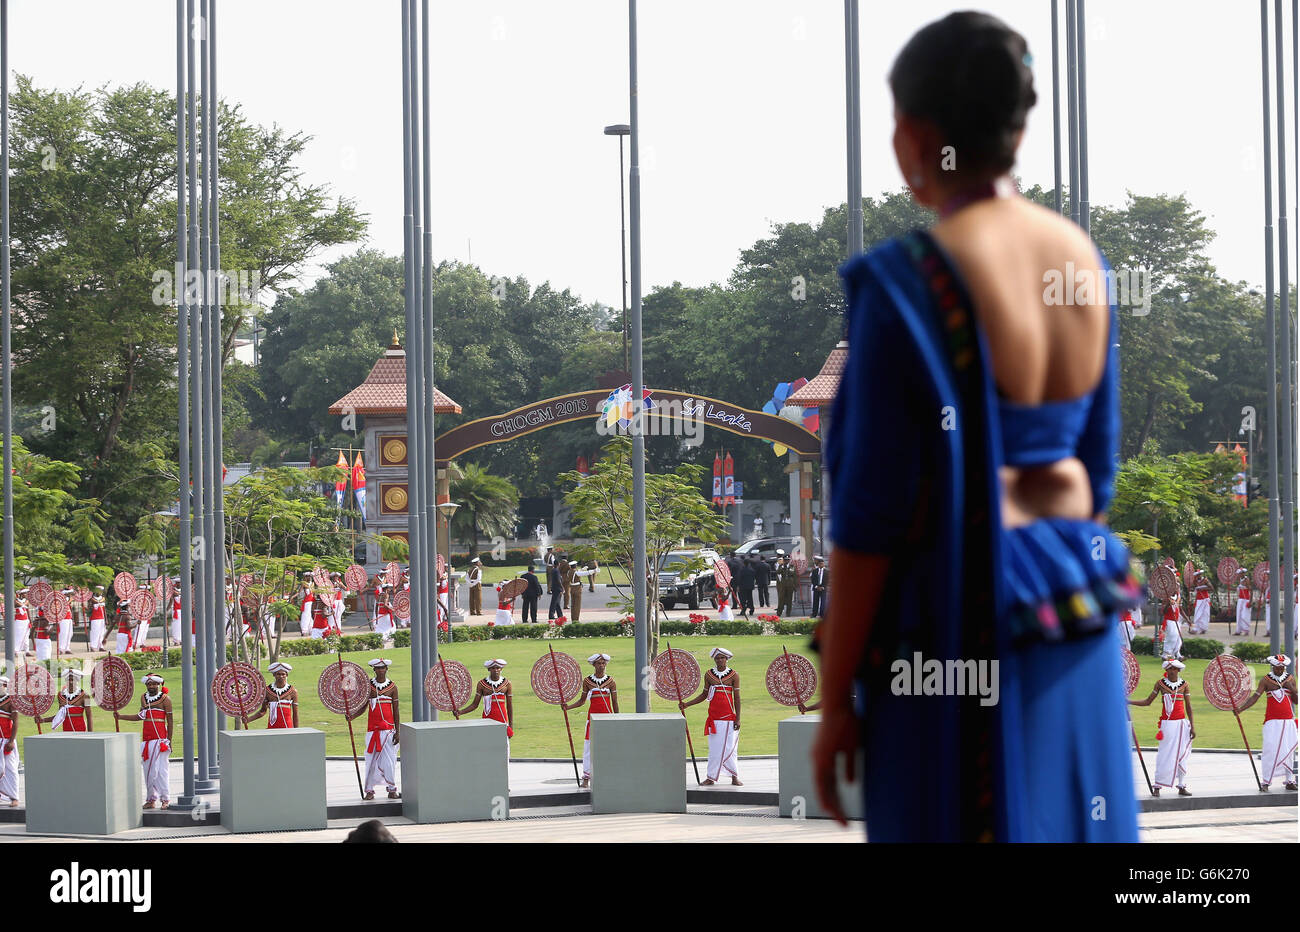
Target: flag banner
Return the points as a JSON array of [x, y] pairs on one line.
[[361, 504], [358, 473], [717, 478], [728, 481]]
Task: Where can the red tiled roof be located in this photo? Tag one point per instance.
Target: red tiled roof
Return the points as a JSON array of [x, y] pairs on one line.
[[384, 390], [821, 390]]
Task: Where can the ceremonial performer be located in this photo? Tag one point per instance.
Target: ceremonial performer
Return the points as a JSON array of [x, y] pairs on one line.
[[1279, 723], [504, 608], [156, 713], [787, 578], [281, 709], [820, 580], [124, 628], [722, 726], [41, 636], [1126, 626], [9, 748], [98, 619], [176, 611], [383, 612], [320, 617], [1176, 729], [381, 732], [22, 621], [724, 604], [339, 606], [1243, 602], [497, 696], [139, 632], [1171, 637], [74, 711], [308, 605], [1200, 604], [65, 624], [474, 579], [603, 692], [444, 598]]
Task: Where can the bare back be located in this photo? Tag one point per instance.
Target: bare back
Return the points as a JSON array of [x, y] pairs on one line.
[[1043, 346]]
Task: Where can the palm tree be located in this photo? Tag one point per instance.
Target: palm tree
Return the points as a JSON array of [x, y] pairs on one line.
[[487, 504]]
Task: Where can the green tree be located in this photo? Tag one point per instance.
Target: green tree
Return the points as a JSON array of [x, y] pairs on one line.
[[487, 505]]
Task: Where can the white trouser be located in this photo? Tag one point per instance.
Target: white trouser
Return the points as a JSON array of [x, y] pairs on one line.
[[9, 773], [304, 623], [141, 634], [176, 631], [96, 635], [384, 625], [122, 640], [155, 764], [1201, 617], [20, 635], [586, 758], [1175, 748], [724, 741], [381, 765], [1172, 646], [1279, 745], [1243, 616], [65, 635], [43, 648]]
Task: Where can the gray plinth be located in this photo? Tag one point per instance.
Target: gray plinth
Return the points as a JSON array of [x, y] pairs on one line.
[[83, 783], [272, 779], [637, 763], [454, 771], [794, 741]]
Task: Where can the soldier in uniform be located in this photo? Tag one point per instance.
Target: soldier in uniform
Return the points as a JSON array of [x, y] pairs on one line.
[[574, 586], [474, 578], [820, 579], [786, 580]]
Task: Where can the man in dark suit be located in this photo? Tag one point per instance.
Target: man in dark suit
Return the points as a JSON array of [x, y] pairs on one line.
[[745, 587], [531, 595], [555, 586], [762, 577], [820, 577]]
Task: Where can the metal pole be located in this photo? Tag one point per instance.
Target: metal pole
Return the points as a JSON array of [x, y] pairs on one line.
[[430, 633], [1284, 611], [622, 246], [186, 800], [1072, 104], [1081, 36], [853, 101], [218, 353], [1270, 323], [638, 384], [6, 415], [203, 782], [1056, 105]]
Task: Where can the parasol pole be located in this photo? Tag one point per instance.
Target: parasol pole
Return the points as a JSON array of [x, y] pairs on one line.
[[1137, 747], [559, 689], [348, 718], [794, 684], [1249, 753], [678, 686], [446, 679]]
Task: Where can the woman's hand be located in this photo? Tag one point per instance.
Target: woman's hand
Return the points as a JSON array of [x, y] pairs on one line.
[[837, 734]]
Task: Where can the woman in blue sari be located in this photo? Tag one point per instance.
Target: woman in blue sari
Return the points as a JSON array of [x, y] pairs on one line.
[[971, 452]]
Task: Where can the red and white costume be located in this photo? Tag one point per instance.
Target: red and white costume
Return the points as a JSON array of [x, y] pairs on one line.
[[176, 618], [443, 597], [1279, 732], [65, 625], [1126, 626], [42, 636], [1171, 637], [381, 753], [124, 639], [504, 609], [720, 725], [155, 755], [1174, 735], [338, 607], [70, 717], [724, 605], [98, 622], [304, 616], [9, 770], [383, 615], [22, 622], [494, 701], [140, 635], [1201, 609], [279, 711], [600, 701], [1243, 607], [320, 620]]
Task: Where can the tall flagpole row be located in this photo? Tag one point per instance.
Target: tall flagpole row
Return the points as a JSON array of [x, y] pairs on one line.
[[639, 565], [1284, 611], [6, 388], [430, 622], [1270, 324]]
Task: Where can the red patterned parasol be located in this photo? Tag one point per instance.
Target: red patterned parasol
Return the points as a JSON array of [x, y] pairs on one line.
[[340, 678], [442, 566], [1163, 582], [321, 577], [124, 584], [1259, 576], [402, 605], [355, 577], [511, 590], [1227, 570], [1227, 683], [721, 573], [791, 678], [141, 604], [543, 678], [83, 596], [32, 691], [1132, 672], [1189, 573], [393, 573], [238, 689], [39, 592], [676, 675], [57, 606], [448, 685], [112, 684]]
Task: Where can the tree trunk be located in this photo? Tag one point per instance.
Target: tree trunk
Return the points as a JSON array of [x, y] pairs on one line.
[[1146, 424]]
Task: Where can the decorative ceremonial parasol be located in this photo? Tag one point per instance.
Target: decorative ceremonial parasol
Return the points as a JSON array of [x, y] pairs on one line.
[[112, 683], [1163, 582], [141, 604], [124, 584], [402, 605], [675, 675], [442, 566], [39, 593], [355, 578], [791, 678], [1132, 672], [83, 596], [721, 574], [32, 691], [1227, 570], [239, 690], [321, 577], [511, 590], [1259, 576], [393, 573], [344, 688], [556, 679], [447, 686], [57, 606], [1189, 573], [1227, 684]]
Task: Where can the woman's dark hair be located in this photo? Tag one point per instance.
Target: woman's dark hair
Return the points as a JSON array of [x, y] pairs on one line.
[[969, 75]]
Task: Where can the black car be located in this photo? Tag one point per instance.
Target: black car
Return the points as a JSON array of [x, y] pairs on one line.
[[765, 548]]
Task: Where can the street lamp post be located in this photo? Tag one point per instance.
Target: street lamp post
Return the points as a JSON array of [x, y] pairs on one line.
[[620, 130]]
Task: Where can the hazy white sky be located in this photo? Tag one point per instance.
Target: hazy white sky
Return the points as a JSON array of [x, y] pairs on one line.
[[742, 113]]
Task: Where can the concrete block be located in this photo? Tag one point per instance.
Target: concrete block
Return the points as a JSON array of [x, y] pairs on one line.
[[637, 763], [83, 783], [794, 741], [455, 771], [272, 779]]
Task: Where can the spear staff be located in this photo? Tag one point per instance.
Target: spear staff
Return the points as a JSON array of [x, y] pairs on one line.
[[677, 684], [794, 684], [555, 665], [343, 678], [451, 698]]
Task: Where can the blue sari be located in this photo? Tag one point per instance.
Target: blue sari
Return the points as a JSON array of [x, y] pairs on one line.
[[913, 452]]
